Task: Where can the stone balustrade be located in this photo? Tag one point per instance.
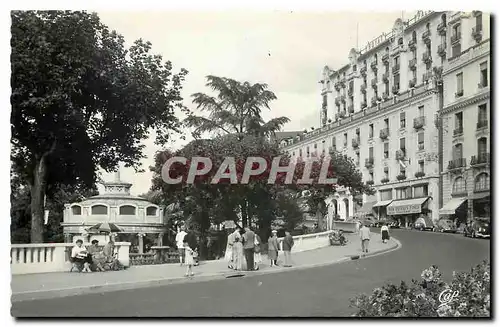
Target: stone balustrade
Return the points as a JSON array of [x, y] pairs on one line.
[[52, 257]]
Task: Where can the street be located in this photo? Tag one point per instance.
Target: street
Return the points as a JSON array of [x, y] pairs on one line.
[[316, 292]]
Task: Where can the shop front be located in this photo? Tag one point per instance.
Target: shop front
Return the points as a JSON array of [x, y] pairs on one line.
[[456, 210], [380, 209], [409, 210], [481, 204]]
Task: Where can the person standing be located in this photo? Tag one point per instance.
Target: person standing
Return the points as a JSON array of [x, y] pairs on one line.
[[249, 247], [228, 255], [257, 255], [179, 240], [364, 233], [384, 230], [189, 260], [238, 250], [192, 240], [273, 248], [287, 248]]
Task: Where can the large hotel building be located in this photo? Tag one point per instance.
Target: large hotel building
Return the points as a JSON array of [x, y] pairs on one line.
[[412, 110]]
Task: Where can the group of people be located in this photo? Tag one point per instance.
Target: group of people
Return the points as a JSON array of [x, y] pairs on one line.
[[94, 258], [364, 233], [244, 243]]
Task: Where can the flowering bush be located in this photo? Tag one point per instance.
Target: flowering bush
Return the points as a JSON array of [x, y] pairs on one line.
[[467, 295]]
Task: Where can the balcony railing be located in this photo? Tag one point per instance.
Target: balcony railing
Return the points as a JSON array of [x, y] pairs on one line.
[[412, 44], [477, 32], [457, 163], [395, 68], [480, 159], [412, 83], [456, 38], [458, 131], [363, 88], [427, 76], [362, 70], [342, 114], [373, 66], [421, 146], [412, 64], [442, 50], [385, 58], [385, 77], [355, 142], [369, 163], [374, 82], [426, 36], [384, 133], [441, 28], [363, 105], [400, 154], [426, 57], [483, 123], [419, 122]]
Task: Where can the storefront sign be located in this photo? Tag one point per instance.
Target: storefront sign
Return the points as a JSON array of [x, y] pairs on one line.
[[404, 209]]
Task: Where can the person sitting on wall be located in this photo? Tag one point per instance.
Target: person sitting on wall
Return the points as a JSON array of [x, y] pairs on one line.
[[98, 257], [81, 257]]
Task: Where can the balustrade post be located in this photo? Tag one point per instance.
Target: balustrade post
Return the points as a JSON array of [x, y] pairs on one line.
[[141, 243], [123, 253]]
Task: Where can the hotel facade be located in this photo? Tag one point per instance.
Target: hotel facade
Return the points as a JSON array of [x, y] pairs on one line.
[[387, 109]]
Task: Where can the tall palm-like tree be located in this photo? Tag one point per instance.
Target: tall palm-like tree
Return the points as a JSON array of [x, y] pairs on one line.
[[236, 109]]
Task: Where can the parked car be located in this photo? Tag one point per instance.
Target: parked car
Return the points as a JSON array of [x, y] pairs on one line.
[[394, 225], [445, 225], [422, 224], [478, 228]]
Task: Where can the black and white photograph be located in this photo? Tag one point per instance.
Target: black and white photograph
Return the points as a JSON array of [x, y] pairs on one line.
[[238, 163]]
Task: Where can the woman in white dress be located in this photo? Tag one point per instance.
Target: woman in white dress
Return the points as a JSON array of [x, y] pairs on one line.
[[257, 257], [228, 256]]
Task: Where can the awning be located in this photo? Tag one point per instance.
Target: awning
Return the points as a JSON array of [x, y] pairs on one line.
[[367, 207], [480, 196], [452, 205], [382, 203], [405, 207]]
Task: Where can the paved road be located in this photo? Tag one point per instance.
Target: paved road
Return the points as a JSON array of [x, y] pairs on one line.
[[323, 291]]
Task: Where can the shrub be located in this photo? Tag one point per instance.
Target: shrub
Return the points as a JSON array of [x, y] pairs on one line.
[[424, 298], [384, 180], [401, 177], [419, 174], [370, 182]]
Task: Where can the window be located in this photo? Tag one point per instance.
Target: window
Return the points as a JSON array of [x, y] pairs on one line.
[[300, 153], [421, 111], [459, 121], [421, 165], [396, 61], [484, 74], [386, 172], [456, 31], [482, 182], [358, 133], [76, 210], [400, 41], [152, 211], [414, 36], [421, 191], [325, 101], [456, 50], [334, 143], [370, 131], [458, 185], [371, 175], [479, 22], [293, 153], [421, 140], [370, 152], [402, 144], [457, 151], [127, 210], [345, 139], [460, 84], [428, 26], [402, 170], [357, 158], [315, 146], [481, 146], [402, 120], [396, 81], [99, 210], [403, 193], [385, 195], [482, 115], [386, 150], [386, 123], [354, 68]]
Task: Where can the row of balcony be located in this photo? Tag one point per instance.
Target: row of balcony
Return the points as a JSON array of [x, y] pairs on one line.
[[476, 160]]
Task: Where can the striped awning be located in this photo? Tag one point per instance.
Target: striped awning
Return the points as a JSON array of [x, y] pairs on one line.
[[451, 206], [382, 203]]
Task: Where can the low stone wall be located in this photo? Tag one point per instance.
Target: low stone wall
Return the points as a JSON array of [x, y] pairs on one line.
[[52, 257], [309, 241]]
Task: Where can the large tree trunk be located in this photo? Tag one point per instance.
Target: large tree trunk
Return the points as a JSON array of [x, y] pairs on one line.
[[244, 214], [37, 200]]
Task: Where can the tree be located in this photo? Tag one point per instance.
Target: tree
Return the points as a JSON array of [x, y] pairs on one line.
[[236, 109], [81, 100]]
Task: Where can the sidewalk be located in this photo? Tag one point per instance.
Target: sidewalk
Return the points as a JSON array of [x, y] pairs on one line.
[[39, 286]]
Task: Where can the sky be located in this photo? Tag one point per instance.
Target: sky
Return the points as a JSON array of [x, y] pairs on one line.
[[286, 50]]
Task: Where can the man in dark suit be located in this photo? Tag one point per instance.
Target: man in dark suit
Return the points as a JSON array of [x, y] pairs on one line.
[[248, 247]]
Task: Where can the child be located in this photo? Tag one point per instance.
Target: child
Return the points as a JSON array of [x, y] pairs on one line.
[[188, 259]]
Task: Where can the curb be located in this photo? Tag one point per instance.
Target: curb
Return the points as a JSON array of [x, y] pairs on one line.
[[110, 287]]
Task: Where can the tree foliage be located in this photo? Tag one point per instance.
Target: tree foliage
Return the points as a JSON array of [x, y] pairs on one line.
[[82, 101]]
